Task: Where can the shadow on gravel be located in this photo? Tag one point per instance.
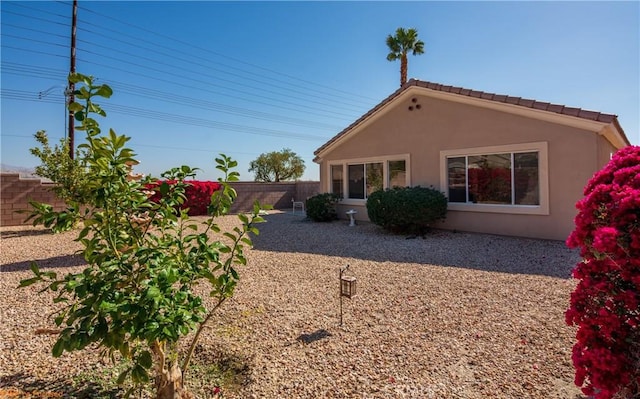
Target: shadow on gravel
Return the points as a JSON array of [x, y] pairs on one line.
[[48, 263], [6, 234], [22, 385], [314, 336], [213, 365], [285, 232]]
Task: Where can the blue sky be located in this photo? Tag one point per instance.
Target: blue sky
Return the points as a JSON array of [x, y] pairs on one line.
[[194, 79]]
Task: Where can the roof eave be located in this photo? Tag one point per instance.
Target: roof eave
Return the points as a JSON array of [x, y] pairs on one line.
[[604, 124], [373, 112], [615, 135]]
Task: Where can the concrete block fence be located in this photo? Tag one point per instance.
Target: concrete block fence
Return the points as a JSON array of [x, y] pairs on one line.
[[16, 192], [279, 195]]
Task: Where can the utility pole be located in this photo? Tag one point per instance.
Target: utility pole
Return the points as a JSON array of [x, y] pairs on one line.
[[72, 87]]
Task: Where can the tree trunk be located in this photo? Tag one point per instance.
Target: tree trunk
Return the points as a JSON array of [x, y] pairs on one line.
[[403, 69], [169, 384], [168, 379]]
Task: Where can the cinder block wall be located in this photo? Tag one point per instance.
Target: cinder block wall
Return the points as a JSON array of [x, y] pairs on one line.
[[306, 189], [278, 195], [15, 194]]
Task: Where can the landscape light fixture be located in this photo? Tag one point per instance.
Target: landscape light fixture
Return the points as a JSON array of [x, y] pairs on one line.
[[347, 287]]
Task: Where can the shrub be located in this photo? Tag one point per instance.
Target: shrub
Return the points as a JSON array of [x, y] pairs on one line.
[[140, 297], [70, 175], [198, 194], [605, 303], [322, 207], [407, 209]]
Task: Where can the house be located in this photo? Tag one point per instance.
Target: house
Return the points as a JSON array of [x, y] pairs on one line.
[[508, 165]]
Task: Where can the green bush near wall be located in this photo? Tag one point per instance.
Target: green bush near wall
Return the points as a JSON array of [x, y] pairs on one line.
[[322, 207], [411, 210]]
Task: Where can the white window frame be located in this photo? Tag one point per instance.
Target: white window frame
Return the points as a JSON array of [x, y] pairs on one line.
[[543, 178], [357, 161]]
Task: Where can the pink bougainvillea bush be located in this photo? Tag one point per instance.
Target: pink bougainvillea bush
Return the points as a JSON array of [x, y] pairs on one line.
[[605, 304], [198, 194]]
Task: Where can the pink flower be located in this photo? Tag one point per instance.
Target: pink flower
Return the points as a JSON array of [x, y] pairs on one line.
[[605, 239], [605, 305]]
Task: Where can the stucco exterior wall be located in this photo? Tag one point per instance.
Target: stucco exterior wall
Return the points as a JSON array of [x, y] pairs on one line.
[[605, 151], [574, 155]]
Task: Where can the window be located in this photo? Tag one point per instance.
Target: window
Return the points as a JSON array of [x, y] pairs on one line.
[[457, 170], [526, 178], [491, 179], [357, 179], [497, 179], [337, 180], [397, 174], [364, 179], [374, 177]]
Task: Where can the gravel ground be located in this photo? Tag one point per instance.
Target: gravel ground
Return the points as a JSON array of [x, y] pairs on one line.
[[450, 315]]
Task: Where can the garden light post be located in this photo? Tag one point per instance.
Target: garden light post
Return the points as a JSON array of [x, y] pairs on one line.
[[347, 287]]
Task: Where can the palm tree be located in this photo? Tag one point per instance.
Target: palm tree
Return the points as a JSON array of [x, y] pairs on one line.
[[400, 45]]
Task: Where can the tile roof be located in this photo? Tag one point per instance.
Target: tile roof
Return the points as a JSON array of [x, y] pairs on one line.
[[519, 101], [559, 109]]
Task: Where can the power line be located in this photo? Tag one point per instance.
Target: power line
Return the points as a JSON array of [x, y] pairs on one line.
[[253, 100], [31, 17], [172, 148], [172, 56], [194, 149], [181, 119], [32, 40], [180, 99], [12, 94], [314, 110], [30, 71], [182, 71], [208, 105], [176, 99], [34, 30], [32, 51], [330, 113], [163, 147], [183, 43], [22, 5], [33, 72]]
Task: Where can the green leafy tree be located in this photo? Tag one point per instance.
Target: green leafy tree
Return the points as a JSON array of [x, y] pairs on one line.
[[70, 175], [277, 166], [136, 296], [405, 41]]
